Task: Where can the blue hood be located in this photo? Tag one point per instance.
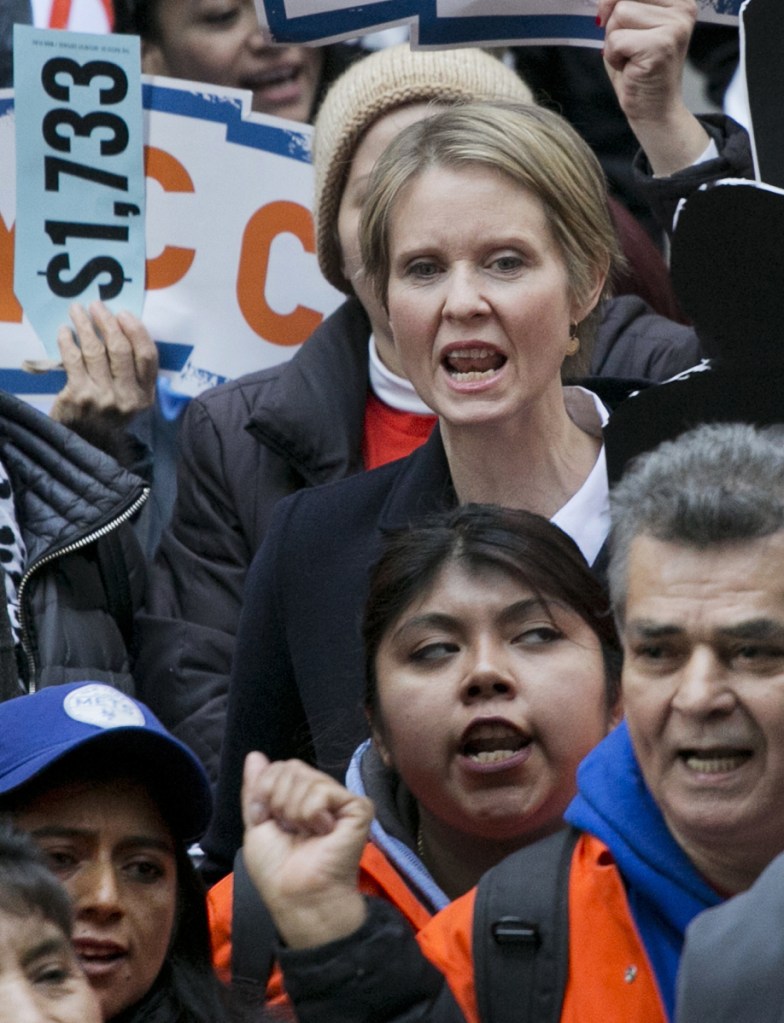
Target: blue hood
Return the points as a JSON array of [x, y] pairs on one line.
[[366, 776], [664, 890]]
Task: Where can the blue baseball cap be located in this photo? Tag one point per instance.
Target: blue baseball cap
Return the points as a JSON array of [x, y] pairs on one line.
[[40, 730]]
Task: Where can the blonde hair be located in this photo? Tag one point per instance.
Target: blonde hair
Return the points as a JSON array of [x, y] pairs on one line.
[[387, 80], [536, 149]]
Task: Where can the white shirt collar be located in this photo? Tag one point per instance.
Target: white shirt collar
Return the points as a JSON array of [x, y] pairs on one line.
[[586, 515], [395, 391]]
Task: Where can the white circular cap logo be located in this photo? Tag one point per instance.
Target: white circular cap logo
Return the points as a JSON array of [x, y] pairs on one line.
[[102, 706]]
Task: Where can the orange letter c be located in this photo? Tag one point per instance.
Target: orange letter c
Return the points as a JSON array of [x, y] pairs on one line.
[[266, 223], [174, 262]]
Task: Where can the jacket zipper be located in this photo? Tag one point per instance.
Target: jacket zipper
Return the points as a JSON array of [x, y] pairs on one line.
[[68, 549]]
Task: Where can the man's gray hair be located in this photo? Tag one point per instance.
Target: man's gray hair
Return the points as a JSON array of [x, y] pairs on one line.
[[715, 484]]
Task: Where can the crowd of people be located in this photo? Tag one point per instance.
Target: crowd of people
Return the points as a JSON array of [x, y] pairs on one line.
[[416, 713]]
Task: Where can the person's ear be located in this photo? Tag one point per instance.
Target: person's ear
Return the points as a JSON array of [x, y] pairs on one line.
[[381, 747], [616, 714], [582, 309]]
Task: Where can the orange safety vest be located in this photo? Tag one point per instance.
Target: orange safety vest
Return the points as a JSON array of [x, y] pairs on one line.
[[610, 978]]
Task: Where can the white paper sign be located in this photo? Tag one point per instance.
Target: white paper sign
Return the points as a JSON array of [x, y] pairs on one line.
[[443, 23], [233, 283]]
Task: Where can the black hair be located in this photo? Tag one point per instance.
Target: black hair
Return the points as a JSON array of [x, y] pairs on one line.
[[187, 989], [26, 883], [523, 546]]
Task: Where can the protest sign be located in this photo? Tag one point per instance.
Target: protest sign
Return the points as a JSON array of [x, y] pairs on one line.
[[442, 23], [232, 280], [79, 173]]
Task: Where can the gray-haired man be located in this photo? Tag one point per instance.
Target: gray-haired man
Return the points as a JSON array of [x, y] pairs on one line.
[[697, 582]]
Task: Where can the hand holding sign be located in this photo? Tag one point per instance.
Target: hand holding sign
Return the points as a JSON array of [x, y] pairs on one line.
[[232, 279], [111, 368], [453, 22], [644, 52]]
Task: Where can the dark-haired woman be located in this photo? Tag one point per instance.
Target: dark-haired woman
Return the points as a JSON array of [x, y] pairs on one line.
[[492, 668], [223, 44]]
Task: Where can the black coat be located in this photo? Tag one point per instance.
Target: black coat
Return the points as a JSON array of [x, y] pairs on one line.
[[310, 578], [244, 446], [297, 681], [733, 161]]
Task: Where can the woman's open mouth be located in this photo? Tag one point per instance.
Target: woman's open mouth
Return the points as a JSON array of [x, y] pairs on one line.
[[277, 86], [473, 363], [494, 744], [99, 957]]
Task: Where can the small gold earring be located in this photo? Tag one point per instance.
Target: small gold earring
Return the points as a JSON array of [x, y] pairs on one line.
[[574, 341]]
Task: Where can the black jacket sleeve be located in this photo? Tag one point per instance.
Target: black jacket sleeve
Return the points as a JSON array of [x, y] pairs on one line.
[[376, 975], [185, 636], [734, 161], [264, 711]]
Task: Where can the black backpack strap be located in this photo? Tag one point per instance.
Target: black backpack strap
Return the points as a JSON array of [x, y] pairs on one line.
[[252, 932], [521, 933]]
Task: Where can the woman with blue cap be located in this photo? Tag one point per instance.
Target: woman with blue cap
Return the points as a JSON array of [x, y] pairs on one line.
[[112, 800]]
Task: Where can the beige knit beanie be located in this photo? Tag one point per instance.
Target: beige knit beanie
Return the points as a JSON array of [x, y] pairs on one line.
[[378, 83]]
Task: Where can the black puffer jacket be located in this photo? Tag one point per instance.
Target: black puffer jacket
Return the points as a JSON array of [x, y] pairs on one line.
[[84, 573]]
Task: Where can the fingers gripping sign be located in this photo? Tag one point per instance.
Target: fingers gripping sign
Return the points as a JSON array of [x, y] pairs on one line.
[[646, 42], [645, 49], [111, 366], [304, 836]]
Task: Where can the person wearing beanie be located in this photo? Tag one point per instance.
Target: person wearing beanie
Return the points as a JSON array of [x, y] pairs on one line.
[[339, 406], [112, 800], [298, 424]]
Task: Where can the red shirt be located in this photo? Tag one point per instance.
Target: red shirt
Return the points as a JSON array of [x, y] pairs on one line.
[[390, 434]]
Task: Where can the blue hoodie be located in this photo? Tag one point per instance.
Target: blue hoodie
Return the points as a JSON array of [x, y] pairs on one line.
[[663, 888]]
